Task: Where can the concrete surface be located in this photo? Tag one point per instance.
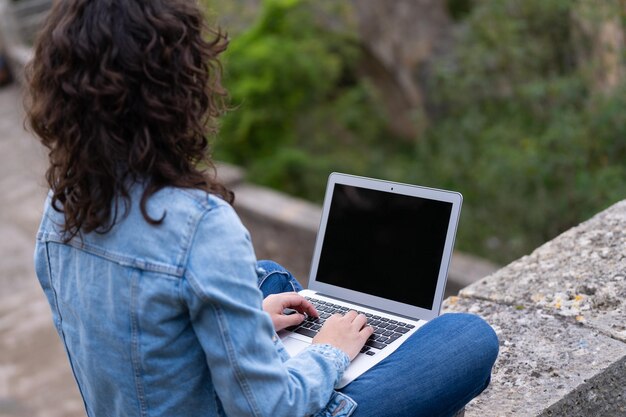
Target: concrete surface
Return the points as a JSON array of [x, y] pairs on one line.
[[560, 314], [581, 274], [35, 377]]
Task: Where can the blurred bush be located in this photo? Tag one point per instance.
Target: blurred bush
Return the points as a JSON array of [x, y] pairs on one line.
[[518, 129], [299, 108], [513, 119]]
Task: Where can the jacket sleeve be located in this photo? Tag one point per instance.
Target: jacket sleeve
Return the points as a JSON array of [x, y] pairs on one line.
[[225, 305]]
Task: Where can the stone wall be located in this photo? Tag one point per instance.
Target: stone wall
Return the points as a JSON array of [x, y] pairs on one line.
[[560, 314], [19, 22]]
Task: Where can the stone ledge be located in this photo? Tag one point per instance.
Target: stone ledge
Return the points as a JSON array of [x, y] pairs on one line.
[[17, 51], [229, 175], [543, 359], [559, 313], [579, 274], [602, 395], [283, 228]]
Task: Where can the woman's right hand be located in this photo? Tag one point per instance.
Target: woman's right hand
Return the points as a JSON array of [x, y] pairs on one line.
[[348, 332]]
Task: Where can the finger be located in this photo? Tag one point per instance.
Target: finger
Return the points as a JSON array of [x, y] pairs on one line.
[[289, 299], [334, 317], [307, 308], [366, 332], [359, 321], [291, 320], [351, 315], [301, 304]]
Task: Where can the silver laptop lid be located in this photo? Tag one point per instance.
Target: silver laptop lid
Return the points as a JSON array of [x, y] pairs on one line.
[[386, 245]]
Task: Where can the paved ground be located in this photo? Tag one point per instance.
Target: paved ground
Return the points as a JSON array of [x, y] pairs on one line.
[[35, 378]]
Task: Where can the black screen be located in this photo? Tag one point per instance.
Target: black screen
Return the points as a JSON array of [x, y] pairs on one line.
[[384, 244]]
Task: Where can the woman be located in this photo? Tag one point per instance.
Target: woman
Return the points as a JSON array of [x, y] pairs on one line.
[[152, 279]]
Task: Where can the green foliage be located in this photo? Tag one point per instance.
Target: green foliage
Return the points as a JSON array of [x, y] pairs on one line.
[[518, 131], [295, 99], [458, 9], [275, 71], [513, 124]]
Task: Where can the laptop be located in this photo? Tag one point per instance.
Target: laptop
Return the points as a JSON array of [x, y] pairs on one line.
[[383, 249]]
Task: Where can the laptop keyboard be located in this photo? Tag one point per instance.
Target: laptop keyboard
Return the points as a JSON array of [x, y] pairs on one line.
[[386, 331]]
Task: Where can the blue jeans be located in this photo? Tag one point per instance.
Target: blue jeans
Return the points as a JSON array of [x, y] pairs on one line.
[[436, 372]]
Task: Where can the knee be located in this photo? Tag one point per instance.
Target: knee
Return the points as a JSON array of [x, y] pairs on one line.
[[274, 278], [267, 267], [476, 337]]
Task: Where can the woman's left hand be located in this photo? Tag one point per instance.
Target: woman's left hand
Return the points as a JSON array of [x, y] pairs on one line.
[[275, 305]]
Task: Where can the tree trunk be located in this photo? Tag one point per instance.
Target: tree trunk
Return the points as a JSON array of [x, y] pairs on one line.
[[599, 29], [400, 37]]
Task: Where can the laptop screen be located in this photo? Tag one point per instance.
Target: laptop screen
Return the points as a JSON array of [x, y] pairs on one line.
[[384, 244]]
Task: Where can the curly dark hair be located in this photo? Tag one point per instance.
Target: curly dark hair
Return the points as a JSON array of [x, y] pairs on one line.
[[124, 91]]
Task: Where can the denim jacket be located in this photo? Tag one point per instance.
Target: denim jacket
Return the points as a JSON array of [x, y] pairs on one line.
[[167, 320]]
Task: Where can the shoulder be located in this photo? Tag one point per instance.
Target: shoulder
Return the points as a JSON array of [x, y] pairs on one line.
[[185, 215], [183, 200], [188, 218], [187, 211], [220, 258]]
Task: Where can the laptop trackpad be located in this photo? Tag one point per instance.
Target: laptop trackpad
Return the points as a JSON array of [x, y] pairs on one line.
[[294, 346]]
